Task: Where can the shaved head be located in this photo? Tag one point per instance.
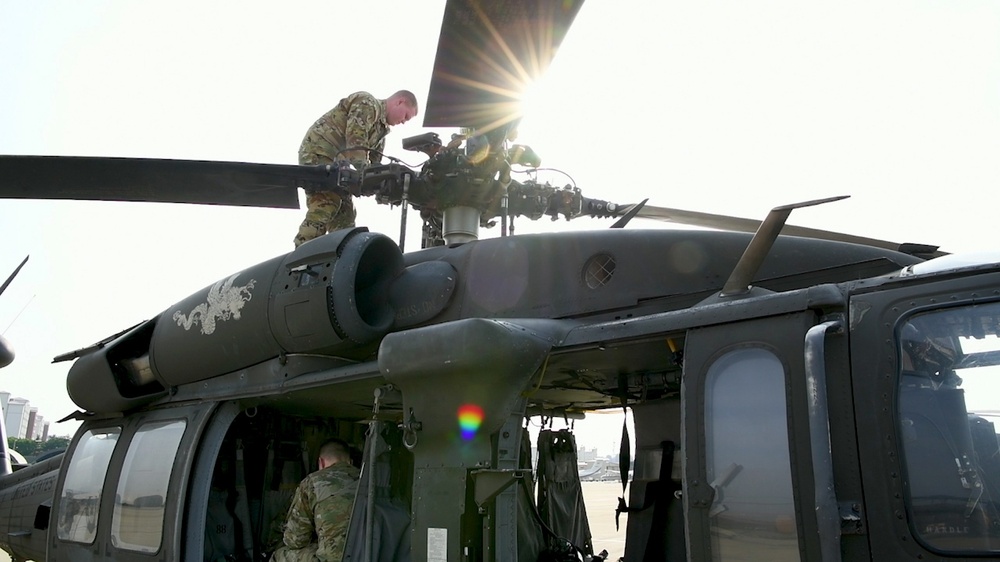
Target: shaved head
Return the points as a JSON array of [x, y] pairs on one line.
[[407, 96], [401, 107], [335, 451]]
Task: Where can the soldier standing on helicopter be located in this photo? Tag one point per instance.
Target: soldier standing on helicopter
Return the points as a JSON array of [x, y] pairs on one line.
[[355, 131]]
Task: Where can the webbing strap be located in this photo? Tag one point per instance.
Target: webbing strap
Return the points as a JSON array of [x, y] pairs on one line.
[[268, 476], [656, 544], [625, 449], [242, 506]]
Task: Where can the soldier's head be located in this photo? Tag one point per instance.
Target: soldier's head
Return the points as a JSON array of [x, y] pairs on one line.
[[333, 451], [400, 107]]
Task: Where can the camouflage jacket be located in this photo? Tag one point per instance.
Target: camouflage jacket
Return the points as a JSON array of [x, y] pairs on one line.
[[358, 120], [321, 511]]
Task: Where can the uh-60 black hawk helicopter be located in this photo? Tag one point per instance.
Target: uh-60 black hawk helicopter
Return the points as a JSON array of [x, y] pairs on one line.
[[796, 394]]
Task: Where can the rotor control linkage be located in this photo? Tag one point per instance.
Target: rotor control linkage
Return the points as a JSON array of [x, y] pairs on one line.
[[458, 184]]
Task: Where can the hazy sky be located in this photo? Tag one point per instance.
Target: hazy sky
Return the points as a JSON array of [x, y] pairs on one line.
[[725, 107]]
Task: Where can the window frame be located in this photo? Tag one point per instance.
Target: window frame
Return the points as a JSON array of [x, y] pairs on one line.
[[71, 465], [195, 416], [877, 311], [908, 479], [784, 337], [718, 378], [138, 442]]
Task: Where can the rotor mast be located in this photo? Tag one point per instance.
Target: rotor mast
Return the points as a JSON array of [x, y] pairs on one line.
[[488, 54]]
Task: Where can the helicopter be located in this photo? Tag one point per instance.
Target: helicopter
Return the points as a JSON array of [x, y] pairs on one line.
[[797, 394]]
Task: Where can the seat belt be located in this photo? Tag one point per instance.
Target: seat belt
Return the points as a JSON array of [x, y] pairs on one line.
[[265, 486], [656, 544], [242, 507], [625, 449]]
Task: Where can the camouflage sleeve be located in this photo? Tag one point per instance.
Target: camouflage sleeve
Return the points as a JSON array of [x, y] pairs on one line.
[[299, 523], [375, 156], [361, 120], [335, 517]]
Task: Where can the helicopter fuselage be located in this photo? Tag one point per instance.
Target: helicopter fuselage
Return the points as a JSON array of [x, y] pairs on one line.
[[815, 416]]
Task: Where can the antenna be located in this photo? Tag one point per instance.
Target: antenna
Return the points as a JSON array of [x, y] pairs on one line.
[[739, 280]]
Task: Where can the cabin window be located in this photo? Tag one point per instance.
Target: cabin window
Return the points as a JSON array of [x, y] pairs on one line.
[[137, 522], [746, 430], [949, 402], [80, 502]]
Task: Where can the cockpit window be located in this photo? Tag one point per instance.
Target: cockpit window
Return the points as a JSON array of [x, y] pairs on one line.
[[80, 502], [949, 407], [137, 522]]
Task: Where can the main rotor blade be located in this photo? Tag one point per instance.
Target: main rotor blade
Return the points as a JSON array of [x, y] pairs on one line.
[[13, 275], [738, 224], [488, 53], [156, 180]]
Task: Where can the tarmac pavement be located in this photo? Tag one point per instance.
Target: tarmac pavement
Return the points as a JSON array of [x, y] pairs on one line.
[[601, 499]]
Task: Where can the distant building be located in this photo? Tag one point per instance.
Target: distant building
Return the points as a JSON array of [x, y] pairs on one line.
[[29, 433], [16, 418], [21, 419], [40, 428]]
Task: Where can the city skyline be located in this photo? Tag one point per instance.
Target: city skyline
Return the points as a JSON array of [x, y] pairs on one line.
[[21, 419]]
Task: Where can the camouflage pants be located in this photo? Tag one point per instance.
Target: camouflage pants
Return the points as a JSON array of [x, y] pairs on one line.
[[285, 554], [325, 212]]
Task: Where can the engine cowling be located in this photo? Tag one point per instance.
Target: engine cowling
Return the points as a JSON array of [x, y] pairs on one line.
[[330, 296]]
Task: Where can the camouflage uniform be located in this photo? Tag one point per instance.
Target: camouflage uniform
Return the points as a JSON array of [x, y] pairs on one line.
[[316, 527], [358, 120]]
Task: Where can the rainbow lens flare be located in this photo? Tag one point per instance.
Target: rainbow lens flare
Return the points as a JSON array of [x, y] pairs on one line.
[[470, 417]]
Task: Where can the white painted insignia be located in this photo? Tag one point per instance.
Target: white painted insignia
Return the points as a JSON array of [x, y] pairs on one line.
[[224, 301]]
